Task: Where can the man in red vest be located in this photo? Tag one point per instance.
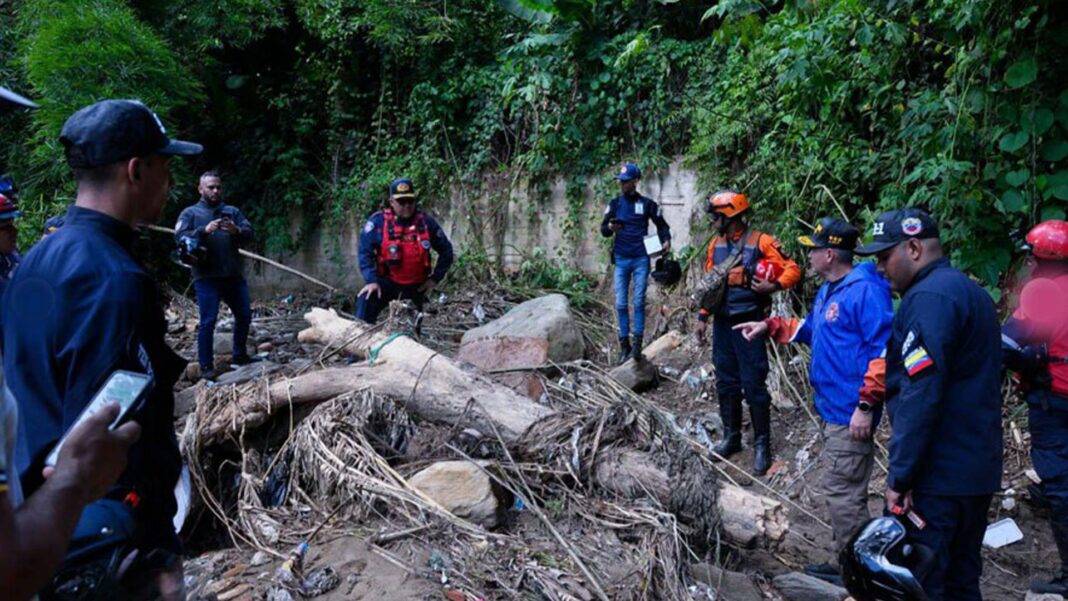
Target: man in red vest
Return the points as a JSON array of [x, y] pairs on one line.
[[1035, 345], [742, 365], [395, 249]]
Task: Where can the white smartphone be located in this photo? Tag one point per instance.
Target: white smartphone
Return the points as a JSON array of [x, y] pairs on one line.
[[128, 389]]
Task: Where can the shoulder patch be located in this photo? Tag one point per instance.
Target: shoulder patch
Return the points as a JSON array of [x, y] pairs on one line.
[[368, 227], [918, 361]]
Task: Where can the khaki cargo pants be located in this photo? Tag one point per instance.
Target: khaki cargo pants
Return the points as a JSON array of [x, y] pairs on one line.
[[847, 466]]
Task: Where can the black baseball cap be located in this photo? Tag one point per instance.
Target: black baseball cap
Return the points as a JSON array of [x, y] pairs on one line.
[[9, 99], [402, 187], [894, 227], [113, 130], [832, 232]]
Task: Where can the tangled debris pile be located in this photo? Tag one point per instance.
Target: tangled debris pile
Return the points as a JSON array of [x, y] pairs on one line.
[[413, 475]]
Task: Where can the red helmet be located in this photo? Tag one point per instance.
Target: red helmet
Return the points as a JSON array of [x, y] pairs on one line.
[[1049, 240], [728, 203], [8, 208]]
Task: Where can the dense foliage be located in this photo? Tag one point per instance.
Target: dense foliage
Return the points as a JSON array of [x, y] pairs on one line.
[[816, 106]]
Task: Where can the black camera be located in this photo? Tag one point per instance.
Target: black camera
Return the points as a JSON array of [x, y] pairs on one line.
[[190, 252]]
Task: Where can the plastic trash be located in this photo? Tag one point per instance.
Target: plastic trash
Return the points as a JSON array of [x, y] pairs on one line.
[[1001, 533], [479, 312]]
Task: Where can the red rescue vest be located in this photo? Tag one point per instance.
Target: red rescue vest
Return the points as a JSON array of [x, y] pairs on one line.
[[404, 256], [1044, 305]]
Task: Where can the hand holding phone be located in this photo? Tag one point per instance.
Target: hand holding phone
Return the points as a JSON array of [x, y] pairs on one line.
[[127, 389], [95, 455]]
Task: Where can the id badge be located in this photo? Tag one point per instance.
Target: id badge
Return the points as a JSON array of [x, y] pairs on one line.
[[639, 208]]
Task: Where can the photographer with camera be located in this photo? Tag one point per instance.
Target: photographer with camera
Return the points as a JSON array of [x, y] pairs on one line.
[[210, 235]]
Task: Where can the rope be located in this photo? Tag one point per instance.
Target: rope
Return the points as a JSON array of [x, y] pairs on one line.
[[372, 355]]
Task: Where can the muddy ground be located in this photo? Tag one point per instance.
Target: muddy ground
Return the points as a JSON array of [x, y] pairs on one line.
[[368, 564]]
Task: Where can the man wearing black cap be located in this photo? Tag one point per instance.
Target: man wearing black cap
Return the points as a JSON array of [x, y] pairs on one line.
[[221, 230], [847, 329], [627, 218], [81, 307], [395, 253], [943, 397]]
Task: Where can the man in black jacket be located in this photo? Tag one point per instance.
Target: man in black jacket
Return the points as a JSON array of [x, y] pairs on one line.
[[943, 397], [220, 230]]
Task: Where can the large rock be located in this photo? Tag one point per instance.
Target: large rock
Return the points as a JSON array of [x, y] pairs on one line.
[[533, 333], [796, 586], [732, 586], [460, 487]]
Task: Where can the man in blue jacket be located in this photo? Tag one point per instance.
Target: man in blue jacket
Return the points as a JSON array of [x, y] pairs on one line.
[[847, 329], [220, 230], [81, 306], [395, 249], [943, 397], [627, 218]]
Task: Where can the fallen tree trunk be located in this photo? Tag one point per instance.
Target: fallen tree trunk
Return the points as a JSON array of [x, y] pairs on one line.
[[436, 388]]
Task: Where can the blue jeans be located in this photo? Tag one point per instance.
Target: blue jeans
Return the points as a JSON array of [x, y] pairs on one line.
[[234, 292], [627, 268]]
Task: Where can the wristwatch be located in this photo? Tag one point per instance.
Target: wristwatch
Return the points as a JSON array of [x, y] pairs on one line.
[[865, 406]]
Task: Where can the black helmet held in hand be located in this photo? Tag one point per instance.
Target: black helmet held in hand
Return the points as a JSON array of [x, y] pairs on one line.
[[878, 565], [667, 271]]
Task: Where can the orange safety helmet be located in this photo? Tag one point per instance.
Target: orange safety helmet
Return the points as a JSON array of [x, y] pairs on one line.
[[727, 203], [1049, 240]]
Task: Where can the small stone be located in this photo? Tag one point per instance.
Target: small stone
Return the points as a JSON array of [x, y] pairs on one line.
[[266, 347], [223, 343], [259, 559], [192, 371], [796, 586]]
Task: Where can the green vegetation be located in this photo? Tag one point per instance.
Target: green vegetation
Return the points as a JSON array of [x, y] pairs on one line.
[[818, 107]]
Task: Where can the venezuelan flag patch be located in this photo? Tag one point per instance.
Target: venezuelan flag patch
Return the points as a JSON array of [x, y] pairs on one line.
[[917, 361]]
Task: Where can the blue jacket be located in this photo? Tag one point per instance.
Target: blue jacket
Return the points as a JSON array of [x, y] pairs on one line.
[[635, 212], [371, 240], [943, 387], [78, 308], [223, 257], [847, 328]]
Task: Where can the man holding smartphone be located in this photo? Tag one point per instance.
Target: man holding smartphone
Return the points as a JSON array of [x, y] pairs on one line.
[[81, 307], [221, 230]]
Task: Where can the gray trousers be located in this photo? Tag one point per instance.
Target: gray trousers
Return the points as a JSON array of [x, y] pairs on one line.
[[847, 466]]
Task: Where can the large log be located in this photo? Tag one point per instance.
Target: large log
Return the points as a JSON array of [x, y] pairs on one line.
[[439, 389]]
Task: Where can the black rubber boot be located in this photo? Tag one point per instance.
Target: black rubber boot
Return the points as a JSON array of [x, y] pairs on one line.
[[624, 349], [761, 416], [636, 349], [731, 412], [1059, 584]]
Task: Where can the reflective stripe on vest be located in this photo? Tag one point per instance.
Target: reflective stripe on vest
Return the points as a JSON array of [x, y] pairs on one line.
[[404, 256]]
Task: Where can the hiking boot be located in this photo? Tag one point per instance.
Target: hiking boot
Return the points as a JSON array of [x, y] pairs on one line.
[[761, 416], [208, 375], [624, 349], [636, 349], [237, 362], [731, 412], [825, 572]]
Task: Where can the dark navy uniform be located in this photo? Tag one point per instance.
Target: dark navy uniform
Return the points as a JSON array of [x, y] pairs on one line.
[[400, 275], [219, 277], [943, 397], [78, 308]]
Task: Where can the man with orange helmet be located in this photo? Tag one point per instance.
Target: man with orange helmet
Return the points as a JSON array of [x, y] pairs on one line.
[[741, 365], [1035, 345]]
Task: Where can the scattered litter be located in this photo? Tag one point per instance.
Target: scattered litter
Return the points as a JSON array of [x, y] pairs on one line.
[[259, 559], [776, 467], [1001, 533], [280, 594], [518, 505], [1008, 503], [320, 581], [667, 370], [289, 570], [1033, 476], [479, 313], [437, 563]]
